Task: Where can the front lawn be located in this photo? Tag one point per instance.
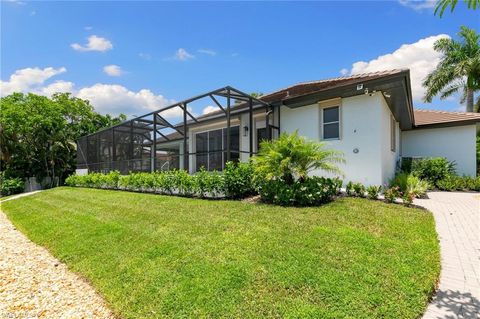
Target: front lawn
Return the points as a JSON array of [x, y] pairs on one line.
[[155, 256]]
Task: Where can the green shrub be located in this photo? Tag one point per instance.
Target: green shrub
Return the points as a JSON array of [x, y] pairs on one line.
[[407, 198], [459, 183], [472, 183], [283, 167], [184, 183], [349, 189], [409, 183], [359, 189], [238, 179], [10, 186], [392, 193], [433, 169], [202, 178], [311, 192], [373, 191]]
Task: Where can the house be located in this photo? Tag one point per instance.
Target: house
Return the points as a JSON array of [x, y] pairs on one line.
[[369, 117]]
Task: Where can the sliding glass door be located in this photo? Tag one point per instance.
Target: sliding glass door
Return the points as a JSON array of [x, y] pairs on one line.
[[211, 148]]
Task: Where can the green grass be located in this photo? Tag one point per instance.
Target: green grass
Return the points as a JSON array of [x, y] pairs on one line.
[[158, 256]]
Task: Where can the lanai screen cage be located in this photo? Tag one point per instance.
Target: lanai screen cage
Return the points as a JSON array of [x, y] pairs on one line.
[[151, 142]]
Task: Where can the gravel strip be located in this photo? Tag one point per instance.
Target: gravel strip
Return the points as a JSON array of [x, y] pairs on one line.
[[34, 284]]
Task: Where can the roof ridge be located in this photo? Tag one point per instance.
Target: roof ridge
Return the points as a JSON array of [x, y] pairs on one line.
[[352, 76], [447, 112]]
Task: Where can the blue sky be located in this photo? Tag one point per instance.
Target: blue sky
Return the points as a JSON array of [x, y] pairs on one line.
[[146, 54]]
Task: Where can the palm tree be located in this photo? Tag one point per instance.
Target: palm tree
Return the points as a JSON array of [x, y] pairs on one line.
[[291, 157], [443, 4], [458, 70]]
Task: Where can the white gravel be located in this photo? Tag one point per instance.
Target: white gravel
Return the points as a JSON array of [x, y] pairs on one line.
[[34, 284]]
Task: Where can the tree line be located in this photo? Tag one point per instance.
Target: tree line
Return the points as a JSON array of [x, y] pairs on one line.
[[38, 134]]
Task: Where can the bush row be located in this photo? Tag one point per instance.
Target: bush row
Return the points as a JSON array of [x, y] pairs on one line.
[[459, 183], [440, 174], [234, 182], [312, 191], [373, 191]]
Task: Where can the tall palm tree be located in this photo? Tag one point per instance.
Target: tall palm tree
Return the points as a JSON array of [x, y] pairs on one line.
[[443, 4], [458, 70]]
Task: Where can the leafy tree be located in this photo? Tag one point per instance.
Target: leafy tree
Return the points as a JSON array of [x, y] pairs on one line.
[[38, 134], [291, 157], [443, 4], [458, 70]]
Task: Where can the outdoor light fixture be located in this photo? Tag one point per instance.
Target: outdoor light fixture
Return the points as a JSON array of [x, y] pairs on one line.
[[245, 130]]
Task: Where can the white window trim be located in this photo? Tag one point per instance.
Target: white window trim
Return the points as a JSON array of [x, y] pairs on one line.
[[322, 123]]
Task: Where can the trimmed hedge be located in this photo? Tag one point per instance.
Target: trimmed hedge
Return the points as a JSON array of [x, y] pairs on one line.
[[312, 191], [234, 182]]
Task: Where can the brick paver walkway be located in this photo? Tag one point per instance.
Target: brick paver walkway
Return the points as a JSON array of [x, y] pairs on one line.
[[457, 219]]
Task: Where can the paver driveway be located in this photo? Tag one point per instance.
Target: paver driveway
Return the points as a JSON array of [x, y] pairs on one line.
[[457, 219]]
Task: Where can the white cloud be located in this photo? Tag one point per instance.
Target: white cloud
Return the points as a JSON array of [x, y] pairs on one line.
[[95, 43], [419, 57], [207, 52], [182, 55], [28, 79], [114, 99], [344, 71], [209, 109], [55, 87], [106, 98], [113, 70], [418, 5]]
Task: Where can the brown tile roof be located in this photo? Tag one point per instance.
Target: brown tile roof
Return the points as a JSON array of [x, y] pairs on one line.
[[304, 88], [433, 117]]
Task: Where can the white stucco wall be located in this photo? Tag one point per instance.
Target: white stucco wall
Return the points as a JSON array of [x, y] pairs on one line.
[[455, 143], [362, 127], [389, 158]]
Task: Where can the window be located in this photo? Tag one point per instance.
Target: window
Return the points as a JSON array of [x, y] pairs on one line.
[[201, 141], [331, 123], [211, 148], [234, 144], [262, 135], [393, 134]]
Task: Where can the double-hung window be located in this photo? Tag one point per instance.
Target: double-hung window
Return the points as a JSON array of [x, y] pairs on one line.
[[331, 123]]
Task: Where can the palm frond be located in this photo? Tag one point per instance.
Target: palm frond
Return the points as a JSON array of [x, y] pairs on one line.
[[451, 89]]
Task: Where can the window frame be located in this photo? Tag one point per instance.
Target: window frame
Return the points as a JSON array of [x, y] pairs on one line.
[[323, 123]]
